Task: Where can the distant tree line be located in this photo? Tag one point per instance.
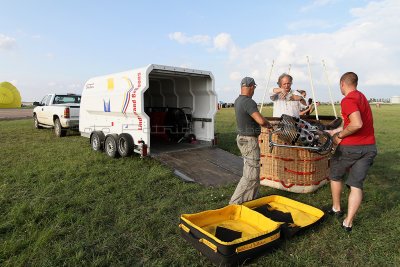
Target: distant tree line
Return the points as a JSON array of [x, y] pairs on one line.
[[382, 100], [371, 100]]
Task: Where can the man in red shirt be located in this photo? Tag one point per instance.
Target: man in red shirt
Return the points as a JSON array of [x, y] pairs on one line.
[[356, 148]]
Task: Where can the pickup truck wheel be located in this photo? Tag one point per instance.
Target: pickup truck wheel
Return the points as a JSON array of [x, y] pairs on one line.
[[36, 122], [125, 145], [97, 140], [59, 131], [110, 146]]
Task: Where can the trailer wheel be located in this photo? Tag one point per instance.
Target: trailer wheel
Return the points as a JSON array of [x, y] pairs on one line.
[[36, 122], [97, 141], [110, 146], [58, 130], [125, 145]]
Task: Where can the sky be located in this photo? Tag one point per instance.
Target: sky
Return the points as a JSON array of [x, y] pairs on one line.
[[56, 46]]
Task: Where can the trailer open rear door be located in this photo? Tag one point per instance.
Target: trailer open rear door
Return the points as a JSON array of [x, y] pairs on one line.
[[208, 166]]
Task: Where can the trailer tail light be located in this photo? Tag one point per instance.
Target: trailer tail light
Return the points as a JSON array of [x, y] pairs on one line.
[[215, 139], [66, 113], [143, 149], [192, 138]]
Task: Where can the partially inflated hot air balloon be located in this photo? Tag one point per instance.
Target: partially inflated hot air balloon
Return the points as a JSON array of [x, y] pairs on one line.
[[9, 96]]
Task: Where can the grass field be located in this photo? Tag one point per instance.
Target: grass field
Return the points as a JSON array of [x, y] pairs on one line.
[[63, 204]]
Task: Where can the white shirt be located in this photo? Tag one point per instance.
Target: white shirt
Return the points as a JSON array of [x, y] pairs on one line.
[[303, 107], [285, 106]]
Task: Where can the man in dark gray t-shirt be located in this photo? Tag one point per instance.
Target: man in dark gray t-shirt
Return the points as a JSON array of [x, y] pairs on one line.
[[244, 106], [249, 121]]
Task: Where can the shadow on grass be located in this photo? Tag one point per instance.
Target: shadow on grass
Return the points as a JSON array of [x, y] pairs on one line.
[[68, 132]]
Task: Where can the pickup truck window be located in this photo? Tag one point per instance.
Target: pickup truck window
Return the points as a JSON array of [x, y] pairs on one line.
[[48, 100], [43, 102], [66, 99]]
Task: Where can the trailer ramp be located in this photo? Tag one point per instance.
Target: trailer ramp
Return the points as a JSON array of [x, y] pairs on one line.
[[208, 166]]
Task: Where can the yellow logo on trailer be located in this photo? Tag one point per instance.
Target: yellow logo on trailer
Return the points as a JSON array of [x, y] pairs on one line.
[[110, 84]]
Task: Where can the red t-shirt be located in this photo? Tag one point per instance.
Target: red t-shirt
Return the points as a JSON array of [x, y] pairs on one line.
[[356, 101]]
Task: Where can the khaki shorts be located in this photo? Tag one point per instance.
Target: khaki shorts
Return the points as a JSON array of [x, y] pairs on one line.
[[357, 158]]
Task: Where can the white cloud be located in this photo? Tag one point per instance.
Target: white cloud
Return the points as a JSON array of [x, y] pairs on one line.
[[257, 75], [75, 86], [223, 42], [317, 3], [235, 76], [309, 23], [187, 65], [226, 89], [7, 43], [196, 39], [369, 46], [36, 36]]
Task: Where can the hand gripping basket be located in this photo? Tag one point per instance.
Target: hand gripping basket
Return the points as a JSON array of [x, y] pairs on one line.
[[291, 169]]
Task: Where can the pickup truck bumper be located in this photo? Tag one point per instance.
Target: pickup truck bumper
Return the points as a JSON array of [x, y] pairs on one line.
[[68, 123]]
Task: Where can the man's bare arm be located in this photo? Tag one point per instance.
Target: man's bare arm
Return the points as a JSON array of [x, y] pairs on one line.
[[280, 92], [305, 111], [260, 119], [295, 98], [355, 124]]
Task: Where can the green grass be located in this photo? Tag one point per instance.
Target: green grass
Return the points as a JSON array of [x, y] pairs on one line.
[[63, 204]]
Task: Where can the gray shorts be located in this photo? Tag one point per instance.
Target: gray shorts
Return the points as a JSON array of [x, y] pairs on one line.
[[357, 158]]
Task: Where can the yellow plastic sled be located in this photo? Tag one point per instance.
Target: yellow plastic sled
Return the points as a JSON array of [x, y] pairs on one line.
[[235, 233]]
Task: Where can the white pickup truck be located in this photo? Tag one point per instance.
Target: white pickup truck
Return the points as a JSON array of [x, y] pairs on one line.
[[60, 111]]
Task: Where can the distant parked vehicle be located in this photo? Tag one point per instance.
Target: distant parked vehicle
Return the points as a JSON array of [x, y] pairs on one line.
[[60, 111]]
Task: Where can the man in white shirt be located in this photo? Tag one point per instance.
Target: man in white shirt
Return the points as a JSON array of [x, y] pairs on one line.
[[285, 100]]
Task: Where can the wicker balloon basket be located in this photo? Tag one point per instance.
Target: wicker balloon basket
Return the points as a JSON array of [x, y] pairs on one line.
[[293, 169]]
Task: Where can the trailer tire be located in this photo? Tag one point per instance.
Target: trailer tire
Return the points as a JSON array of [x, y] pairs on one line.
[[110, 145], [125, 145], [36, 122], [58, 130], [97, 141]]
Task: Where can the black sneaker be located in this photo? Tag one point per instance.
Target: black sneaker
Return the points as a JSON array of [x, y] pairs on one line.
[[336, 213], [346, 228]]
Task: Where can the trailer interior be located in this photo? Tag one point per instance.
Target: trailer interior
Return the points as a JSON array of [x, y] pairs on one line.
[[181, 107]]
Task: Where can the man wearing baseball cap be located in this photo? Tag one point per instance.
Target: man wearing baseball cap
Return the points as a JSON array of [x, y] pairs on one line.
[[249, 122]]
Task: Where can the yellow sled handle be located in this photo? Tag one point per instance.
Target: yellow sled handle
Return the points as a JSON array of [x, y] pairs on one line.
[[202, 240], [209, 244], [258, 243], [187, 230]]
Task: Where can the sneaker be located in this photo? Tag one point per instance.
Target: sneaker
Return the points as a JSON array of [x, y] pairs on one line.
[[346, 228], [337, 213]]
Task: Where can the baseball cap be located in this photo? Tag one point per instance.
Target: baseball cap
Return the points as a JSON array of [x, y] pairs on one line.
[[247, 82]]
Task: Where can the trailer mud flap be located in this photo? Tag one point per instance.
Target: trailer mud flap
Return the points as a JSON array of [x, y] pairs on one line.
[[207, 166]]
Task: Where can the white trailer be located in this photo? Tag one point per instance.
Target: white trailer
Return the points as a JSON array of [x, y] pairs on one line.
[[149, 110], [161, 111]]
